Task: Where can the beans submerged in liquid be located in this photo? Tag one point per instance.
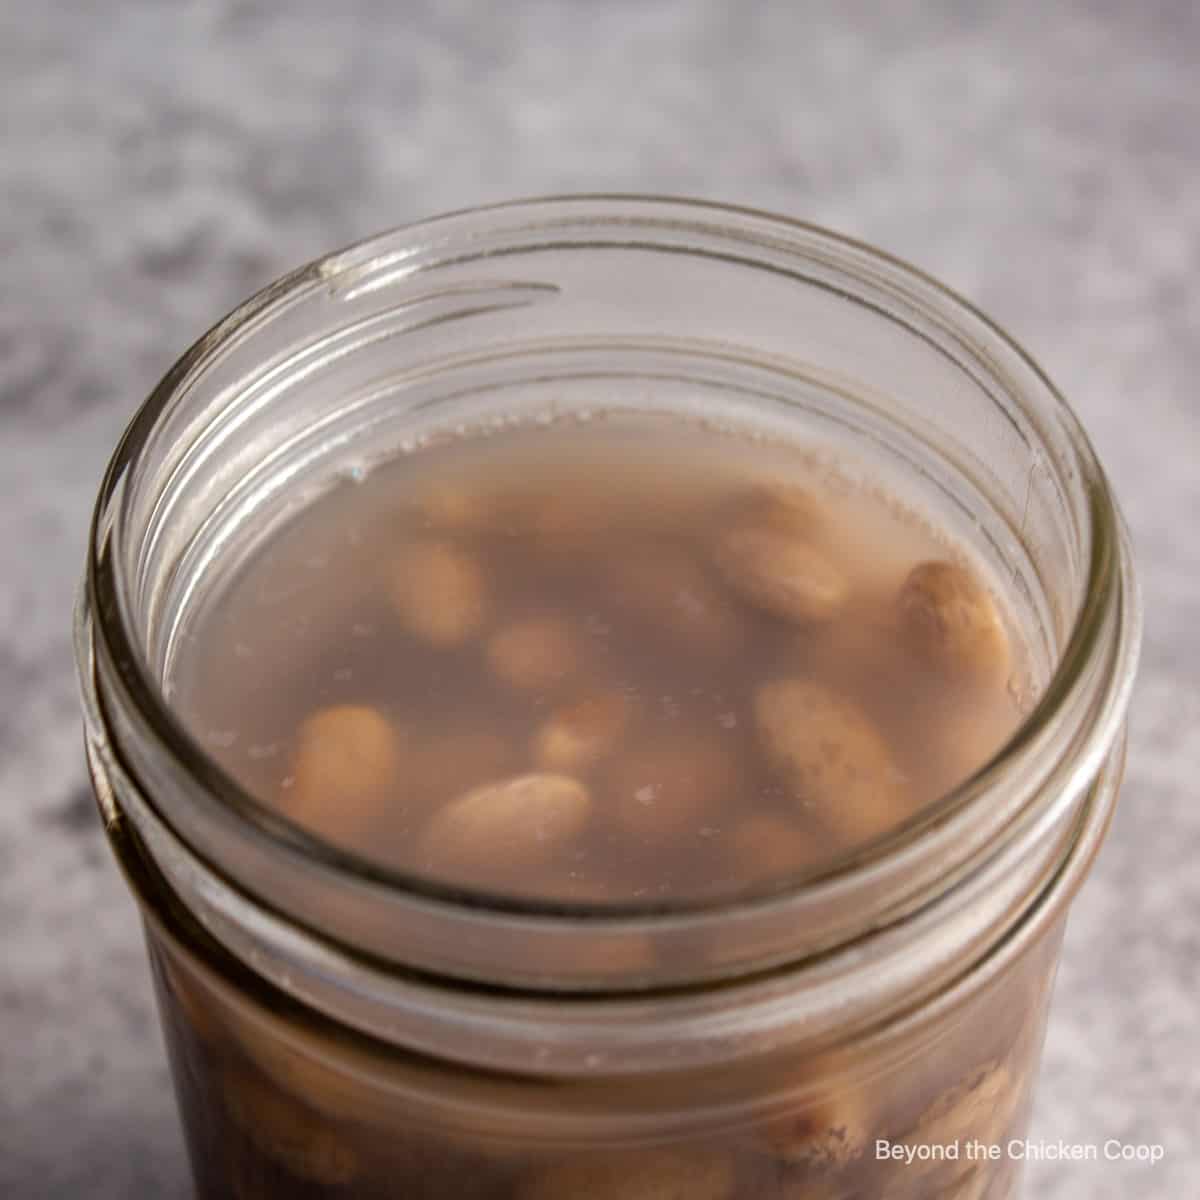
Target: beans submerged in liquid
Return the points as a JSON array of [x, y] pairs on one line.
[[595, 664]]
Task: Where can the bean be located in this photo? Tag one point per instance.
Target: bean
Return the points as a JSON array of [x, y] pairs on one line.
[[507, 825], [832, 757], [438, 592], [578, 735], [533, 654], [952, 620], [783, 507], [780, 574], [345, 767], [976, 1107], [825, 1135]]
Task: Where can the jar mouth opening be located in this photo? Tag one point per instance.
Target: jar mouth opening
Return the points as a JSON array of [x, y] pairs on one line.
[[1110, 598]]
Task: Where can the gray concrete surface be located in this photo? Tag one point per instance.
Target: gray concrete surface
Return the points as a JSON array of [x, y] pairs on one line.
[[158, 161]]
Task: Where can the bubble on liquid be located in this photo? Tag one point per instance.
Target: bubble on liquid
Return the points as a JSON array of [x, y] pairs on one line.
[[727, 720], [221, 739], [262, 750], [343, 674]]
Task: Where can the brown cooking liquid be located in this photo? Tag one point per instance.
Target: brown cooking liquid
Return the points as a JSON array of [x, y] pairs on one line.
[[615, 660], [621, 660]]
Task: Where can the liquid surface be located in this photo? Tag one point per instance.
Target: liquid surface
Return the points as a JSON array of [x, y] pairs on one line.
[[630, 659]]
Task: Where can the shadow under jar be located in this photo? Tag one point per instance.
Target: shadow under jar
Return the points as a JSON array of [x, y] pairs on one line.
[[339, 1029]]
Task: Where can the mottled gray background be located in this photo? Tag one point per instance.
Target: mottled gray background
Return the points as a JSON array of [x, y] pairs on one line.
[[158, 161]]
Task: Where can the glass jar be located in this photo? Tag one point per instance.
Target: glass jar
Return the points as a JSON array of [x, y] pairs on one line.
[[870, 1030]]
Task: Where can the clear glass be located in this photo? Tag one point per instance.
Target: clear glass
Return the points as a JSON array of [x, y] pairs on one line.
[[336, 1029]]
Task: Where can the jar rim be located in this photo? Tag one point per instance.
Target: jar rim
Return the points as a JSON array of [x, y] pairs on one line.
[[1108, 620]]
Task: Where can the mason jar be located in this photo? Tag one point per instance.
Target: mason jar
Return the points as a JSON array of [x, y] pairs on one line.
[[870, 1030]]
